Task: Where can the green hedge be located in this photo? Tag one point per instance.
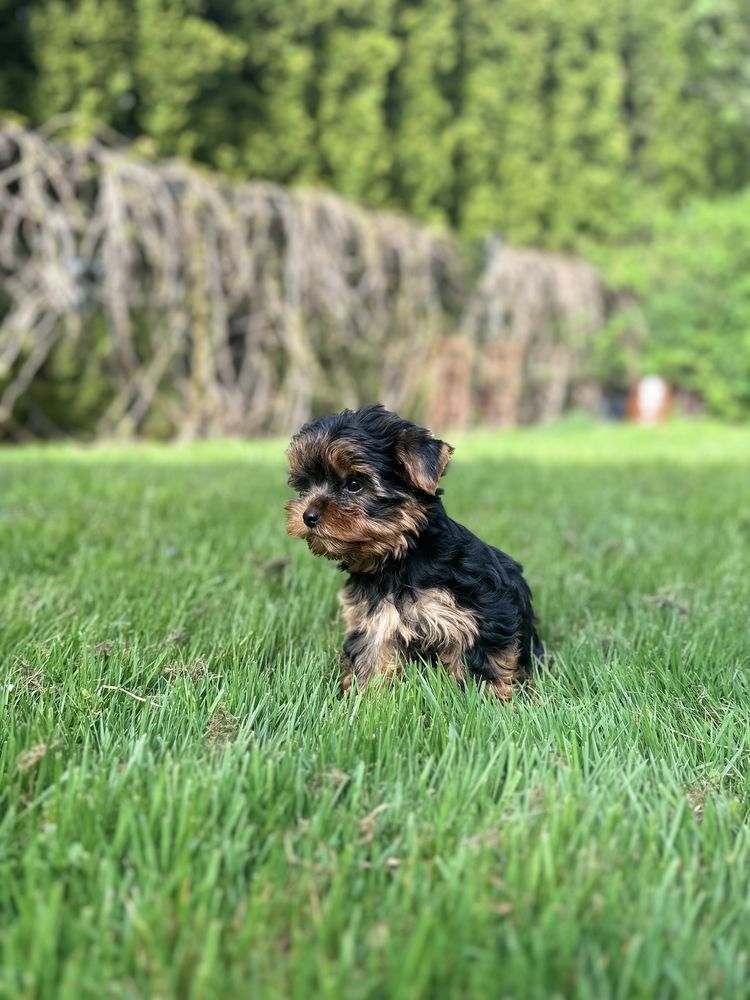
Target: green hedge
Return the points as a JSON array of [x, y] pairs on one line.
[[691, 324], [548, 122]]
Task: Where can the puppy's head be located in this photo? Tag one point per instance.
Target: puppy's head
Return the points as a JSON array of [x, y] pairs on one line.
[[366, 480]]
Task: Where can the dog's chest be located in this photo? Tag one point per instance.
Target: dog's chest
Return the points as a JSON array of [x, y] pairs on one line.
[[428, 619]]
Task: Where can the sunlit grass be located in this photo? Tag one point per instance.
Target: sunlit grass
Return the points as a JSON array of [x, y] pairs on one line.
[[188, 809]]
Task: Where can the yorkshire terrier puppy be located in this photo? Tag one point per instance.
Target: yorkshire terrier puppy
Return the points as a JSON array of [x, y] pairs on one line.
[[420, 586]]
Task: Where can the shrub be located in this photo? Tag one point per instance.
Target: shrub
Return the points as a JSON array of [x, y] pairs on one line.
[[692, 284]]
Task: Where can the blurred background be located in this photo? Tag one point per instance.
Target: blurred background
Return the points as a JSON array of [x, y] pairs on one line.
[[223, 217]]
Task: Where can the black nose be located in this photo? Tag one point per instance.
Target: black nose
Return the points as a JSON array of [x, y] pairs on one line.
[[311, 517]]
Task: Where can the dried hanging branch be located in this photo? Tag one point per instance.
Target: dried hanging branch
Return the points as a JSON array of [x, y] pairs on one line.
[[226, 308], [200, 307], [532, 317]]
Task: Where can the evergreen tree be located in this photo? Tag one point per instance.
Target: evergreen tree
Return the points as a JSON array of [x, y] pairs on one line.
[[177, 56], [587, 152], [16, 60], [355, 57], [504, 175], [259, 120], [424, 100], [670, 124], [83, 53]]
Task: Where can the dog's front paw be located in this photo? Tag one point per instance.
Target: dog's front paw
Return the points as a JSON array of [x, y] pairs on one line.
[[503, 690]]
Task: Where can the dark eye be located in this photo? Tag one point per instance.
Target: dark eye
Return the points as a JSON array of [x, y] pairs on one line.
[[353, 485]]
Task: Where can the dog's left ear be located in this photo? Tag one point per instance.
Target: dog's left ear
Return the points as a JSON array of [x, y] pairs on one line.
[[423, 457]]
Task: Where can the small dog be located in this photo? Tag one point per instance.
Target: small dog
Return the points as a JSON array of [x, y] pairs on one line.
[[420, 585]]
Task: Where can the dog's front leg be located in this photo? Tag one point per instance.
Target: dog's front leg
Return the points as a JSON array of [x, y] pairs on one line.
[[364, 659], [347, 669], [373, 638]]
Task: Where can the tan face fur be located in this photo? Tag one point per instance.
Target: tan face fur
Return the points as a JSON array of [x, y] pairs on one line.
[[346, 532]]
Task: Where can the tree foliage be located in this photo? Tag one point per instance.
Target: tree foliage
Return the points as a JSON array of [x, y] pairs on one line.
[[549, 123]]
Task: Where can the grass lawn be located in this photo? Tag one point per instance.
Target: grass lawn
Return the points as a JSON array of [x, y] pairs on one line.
[[188, 809]]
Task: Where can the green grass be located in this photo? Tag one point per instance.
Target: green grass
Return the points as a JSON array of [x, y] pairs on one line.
[[188, 809]]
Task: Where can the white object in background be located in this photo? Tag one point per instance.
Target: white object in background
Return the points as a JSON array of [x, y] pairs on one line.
[[652, 400]]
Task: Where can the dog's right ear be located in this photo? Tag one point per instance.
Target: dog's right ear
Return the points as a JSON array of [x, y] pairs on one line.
[[423, 457]]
